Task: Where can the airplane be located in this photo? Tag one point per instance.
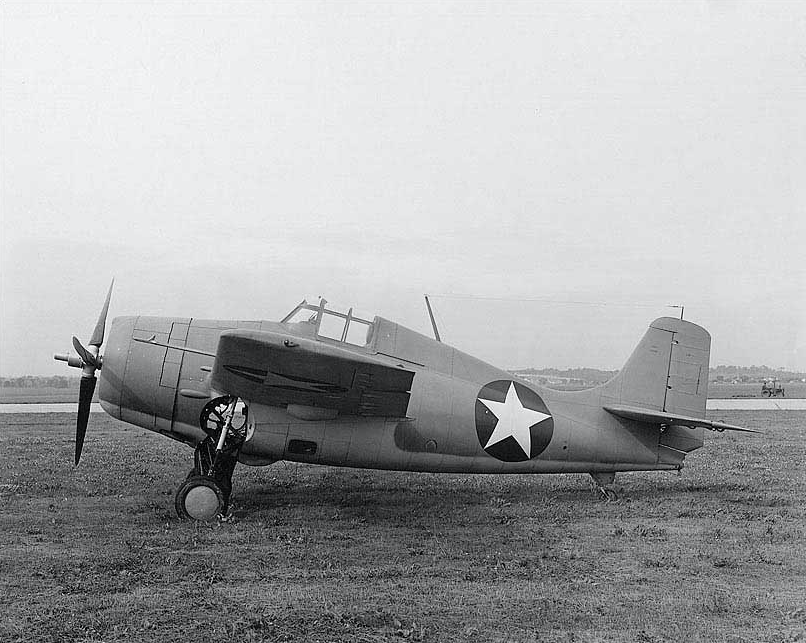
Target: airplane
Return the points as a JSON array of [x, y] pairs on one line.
[[327, 387]]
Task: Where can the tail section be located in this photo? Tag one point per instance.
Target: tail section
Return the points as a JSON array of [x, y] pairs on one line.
[[661, 392], [667, 372]]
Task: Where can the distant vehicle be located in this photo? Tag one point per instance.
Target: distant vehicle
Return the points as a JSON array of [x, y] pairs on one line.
[[772, 388]]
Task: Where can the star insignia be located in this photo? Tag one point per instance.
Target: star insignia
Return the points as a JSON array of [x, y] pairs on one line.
[[514, 420]]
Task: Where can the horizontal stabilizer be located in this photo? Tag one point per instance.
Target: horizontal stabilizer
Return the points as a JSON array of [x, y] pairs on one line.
[[660, 417]]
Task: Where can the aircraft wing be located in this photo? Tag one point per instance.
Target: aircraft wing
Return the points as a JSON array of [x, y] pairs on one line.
[[661, 417], [277, 369]]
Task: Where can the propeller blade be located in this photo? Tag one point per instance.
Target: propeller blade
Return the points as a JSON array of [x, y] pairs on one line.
[[88, 358], [98, 334], [85, 391]]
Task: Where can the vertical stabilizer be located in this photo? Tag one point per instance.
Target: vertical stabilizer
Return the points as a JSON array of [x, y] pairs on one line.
[[668, 371]]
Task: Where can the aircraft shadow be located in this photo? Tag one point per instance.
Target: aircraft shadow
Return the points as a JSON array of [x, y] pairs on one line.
[[373, 497]]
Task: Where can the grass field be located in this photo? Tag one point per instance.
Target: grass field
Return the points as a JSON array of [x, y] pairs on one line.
[[323, 554]]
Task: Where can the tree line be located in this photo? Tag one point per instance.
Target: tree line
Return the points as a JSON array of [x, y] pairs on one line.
[[39, 381]]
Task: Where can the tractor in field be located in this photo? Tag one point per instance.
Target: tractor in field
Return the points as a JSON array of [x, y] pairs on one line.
[[772, 388]]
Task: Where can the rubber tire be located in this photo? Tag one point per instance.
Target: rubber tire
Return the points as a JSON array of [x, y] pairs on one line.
[[207, 505]]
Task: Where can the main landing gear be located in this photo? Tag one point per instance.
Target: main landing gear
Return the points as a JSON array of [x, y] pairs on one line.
[[206, 491], [602, 481]]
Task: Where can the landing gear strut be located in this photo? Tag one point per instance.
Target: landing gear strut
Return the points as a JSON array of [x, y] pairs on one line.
[[603, 480], [206, 491]]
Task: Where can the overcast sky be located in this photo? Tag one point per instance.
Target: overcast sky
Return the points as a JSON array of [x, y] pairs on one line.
[[228, 159]]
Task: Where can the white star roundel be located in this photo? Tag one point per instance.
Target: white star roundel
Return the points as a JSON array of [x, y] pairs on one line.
[[512, 421]]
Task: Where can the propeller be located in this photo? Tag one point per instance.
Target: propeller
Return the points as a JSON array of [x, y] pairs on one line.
[[89, 360]]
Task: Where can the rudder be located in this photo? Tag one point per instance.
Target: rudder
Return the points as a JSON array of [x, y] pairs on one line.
[[668, 370]]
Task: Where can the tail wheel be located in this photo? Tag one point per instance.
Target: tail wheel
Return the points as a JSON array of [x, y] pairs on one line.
[[200, 498]]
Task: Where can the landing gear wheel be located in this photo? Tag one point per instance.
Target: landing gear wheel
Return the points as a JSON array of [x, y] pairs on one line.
[[206, 491], [200, 498]]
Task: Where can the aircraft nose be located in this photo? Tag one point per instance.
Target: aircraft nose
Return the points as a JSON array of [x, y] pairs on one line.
[[114, 364]]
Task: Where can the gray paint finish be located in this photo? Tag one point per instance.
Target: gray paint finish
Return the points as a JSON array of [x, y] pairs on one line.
[[436, 430]]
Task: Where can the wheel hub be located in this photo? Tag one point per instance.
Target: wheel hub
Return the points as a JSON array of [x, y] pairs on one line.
[[201, 503]]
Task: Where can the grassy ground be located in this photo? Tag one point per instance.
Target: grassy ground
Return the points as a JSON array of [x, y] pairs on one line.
[[323, 554]]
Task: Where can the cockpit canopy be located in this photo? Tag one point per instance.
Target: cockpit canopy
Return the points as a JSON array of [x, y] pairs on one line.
[[332, 324]]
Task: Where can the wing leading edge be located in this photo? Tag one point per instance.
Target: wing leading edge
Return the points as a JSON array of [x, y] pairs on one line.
[[661, 417], [278, 369]]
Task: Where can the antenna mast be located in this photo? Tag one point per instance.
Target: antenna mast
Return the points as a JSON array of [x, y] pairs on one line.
[[431, 316], [680, 306]]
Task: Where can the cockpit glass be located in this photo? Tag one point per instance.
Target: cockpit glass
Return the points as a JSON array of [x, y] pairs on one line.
[[333, 324], [332, 327], [359, 333], [302, 315]]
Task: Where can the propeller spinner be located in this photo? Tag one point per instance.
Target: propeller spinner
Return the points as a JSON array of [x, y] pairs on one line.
[[89, 360]]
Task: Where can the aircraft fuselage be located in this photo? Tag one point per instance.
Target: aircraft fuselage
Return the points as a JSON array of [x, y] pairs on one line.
[[463, 415]]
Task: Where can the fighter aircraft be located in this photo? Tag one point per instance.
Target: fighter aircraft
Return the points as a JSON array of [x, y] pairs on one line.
[[328, 387]]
